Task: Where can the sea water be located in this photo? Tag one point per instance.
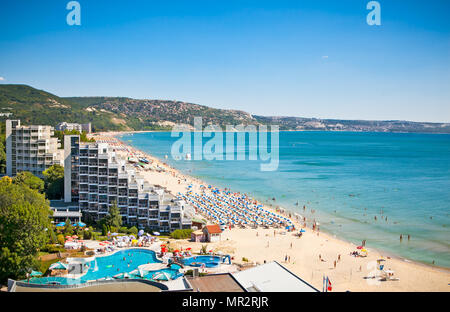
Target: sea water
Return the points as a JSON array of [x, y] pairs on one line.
[[347, 179]]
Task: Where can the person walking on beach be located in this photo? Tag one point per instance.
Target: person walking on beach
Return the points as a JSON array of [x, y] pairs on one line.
[[291, 245], [401, 237], [335, 264], [409, 237], [339, 257]]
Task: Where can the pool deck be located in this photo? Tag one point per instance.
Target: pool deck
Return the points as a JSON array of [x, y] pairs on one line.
[[118, 287]]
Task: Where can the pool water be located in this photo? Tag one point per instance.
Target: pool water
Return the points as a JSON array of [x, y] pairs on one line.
[[198, 261], [123, 261]]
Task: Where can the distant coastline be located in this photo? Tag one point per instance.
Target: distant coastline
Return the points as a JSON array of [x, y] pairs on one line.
[[128, 114]]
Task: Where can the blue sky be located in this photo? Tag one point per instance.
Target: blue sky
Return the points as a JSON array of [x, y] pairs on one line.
[[311, 58]]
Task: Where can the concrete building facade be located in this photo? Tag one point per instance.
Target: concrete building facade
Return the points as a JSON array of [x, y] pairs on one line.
[[74, 126], [96, 177], [30, 148]]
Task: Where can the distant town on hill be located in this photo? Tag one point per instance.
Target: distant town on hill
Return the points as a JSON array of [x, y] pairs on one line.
[[34, 106]]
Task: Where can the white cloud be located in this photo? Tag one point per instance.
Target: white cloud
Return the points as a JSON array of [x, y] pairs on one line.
[[325, 56], [2, 78]]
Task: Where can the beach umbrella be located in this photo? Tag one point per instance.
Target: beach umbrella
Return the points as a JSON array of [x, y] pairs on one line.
[[80, 224], [58, 266], [35, 273], [359, 247], [68, 236], [141, 232], [156, 233], [74, 236], [61, 224]]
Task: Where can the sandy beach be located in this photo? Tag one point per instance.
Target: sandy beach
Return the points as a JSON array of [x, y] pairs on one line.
[[311, 256]]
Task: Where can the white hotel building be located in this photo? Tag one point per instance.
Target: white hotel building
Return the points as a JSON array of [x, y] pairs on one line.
[[30, 148], [95, 177]]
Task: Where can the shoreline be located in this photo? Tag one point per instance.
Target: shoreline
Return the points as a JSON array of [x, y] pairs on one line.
[[329, 237], [308, 130], [271, 207]]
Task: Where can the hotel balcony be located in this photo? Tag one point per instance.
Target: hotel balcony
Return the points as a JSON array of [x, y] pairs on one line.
[[102, 172], [102, 190], [84, 188], [132, 212], [132, 193], [93, 171]]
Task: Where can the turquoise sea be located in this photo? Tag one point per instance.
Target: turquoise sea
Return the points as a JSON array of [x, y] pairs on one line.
[[348, 178]]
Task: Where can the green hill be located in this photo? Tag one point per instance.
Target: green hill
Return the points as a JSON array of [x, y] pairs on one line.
[[34, 106]]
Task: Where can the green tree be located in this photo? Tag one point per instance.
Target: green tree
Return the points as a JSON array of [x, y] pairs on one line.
[[123, 229], [104, 229], [2, 158], [52, 236], [133, 230], [61, 239], [68, 228], [113, 218], [181, 234], [54, 181], [60, 135], [28, 179], [2, 148], [24, 218]]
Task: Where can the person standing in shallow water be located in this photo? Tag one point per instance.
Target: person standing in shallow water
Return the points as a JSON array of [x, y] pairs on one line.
[[401, 237]]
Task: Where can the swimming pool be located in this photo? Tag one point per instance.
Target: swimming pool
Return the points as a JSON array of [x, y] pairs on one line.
[[198, 261], [123, 261]]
